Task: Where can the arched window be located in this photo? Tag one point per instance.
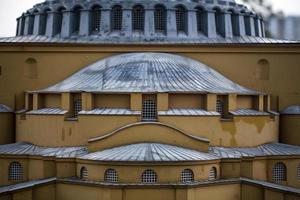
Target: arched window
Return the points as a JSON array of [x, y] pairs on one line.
[[15, 171], [116, 18], [298, 172], [160, 19], [247, 25], [43, 21], [58, 25], [22, 24], [96, 18], [187, 175], [149, 111], [218, 20], [200, 19], [220, 106], [30, 69], [181, 19], [279, 172], [111, 176], [234, 22], [76, 19], [138, 18], [263, 70], [212, 173], [149, 176], [83, 173]]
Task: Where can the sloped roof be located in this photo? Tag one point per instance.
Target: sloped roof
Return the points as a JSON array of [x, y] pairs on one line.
[[148, 72], [5, 109], [291, 110], [149, 152]]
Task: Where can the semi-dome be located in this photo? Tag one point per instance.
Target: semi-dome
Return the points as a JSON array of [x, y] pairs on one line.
[[148, 72], [140, 20]]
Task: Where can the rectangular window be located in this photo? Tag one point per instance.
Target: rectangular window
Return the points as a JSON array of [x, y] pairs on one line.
[[77, 107], [149, 112]]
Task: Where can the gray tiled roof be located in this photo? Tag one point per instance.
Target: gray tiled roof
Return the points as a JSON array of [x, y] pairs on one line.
[[248, 112], [5, 109], [148, 72], [273, 149], [38, 39], [47, 111], [188, 112], [291, 110], [22, 148], [149, 152], [110, 111]]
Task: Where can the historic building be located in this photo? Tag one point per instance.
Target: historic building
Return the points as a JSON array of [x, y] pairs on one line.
[[135, 99]]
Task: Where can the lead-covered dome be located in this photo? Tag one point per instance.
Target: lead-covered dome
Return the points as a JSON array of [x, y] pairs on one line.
[[148, 72], [140, 20]]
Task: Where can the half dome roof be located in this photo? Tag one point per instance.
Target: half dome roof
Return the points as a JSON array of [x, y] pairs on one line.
[[148, 73]]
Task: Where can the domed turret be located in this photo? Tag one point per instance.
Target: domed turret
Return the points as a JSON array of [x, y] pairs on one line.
[[140, 20]]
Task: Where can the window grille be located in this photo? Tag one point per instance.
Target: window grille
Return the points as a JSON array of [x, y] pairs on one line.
[[200, 19], [111, 176], [116, 18], [187, 175], [96, 16], [77, 107], [149, 110], [212, 173], [15, 171], [138, 18], [160, 19], [76, 20], [279, 172], [83, 173], [180, 18], [298, 172], [220, 107], [149, 176]]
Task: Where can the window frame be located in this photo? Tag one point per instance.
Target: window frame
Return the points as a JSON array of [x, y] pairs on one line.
[[279, 172], [116, 18], [111, 176], [149, 176], [187, 176], [15, 171]]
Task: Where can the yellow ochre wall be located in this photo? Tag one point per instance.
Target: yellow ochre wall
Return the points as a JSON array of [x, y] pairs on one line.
[[239, 63], [290, 129]]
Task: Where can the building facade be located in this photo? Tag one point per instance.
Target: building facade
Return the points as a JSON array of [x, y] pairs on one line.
[[168, 100]]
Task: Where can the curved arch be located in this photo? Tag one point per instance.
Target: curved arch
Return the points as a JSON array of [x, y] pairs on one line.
[[83, 173], [111, 176], [93, 5], [213, 173], [60, 8], [149, 176], [15, 171], [279, 172], [148, 132], [77, 7], [187, 176]]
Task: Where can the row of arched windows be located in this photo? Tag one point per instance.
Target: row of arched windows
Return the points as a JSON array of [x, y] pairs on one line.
[[148, 176], [138, 20]]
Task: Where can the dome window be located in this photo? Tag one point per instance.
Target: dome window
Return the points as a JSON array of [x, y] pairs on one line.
[[116, 18], [212, 174], [181, 19], [187, 176], [43, 21], [83, 173], [149, 176], [160, 19], [76, 15], [111, 176], [234, 22], [219, 20], [279, 172], [96, 18], [15, 171], [200, 19], [138, 18], [59, 20]]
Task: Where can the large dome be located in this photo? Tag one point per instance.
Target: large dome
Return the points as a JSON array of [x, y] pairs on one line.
[[148, 72], [140, 20]]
